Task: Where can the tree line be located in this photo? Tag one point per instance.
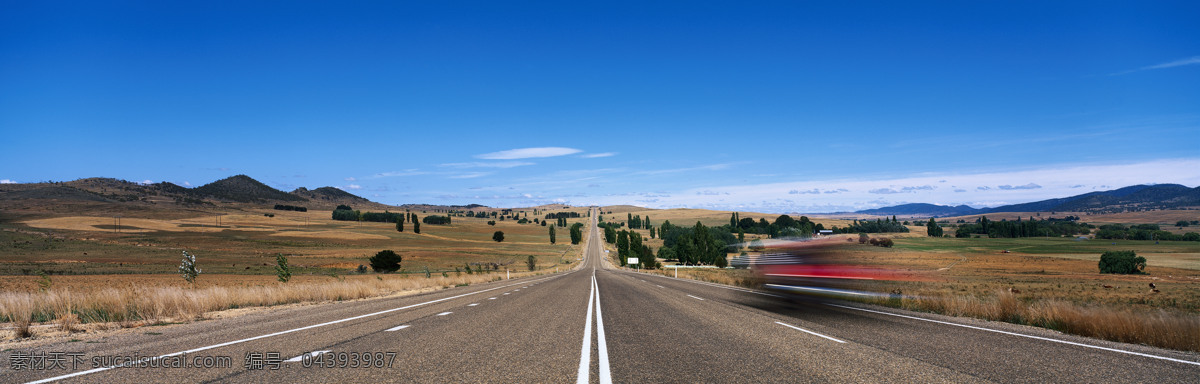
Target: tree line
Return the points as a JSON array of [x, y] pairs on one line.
[[284, 207], [1142, 232], [1022, 228]]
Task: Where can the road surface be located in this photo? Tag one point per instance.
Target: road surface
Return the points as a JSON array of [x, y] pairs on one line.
[[594, 324]]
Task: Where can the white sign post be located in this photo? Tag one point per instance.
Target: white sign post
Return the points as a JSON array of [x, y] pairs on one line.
[[633, 261]]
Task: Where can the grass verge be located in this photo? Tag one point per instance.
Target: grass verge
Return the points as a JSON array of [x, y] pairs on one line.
[[1158, 328]]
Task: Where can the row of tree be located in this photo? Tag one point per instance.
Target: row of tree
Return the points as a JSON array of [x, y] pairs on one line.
[[878, 226], [1022, 228], [285, 207], [1142, 232], [783, 226]]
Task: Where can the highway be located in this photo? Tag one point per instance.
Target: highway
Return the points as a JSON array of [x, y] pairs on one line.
[[601, 324]]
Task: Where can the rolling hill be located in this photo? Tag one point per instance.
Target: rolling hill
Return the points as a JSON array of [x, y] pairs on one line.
[[1127, 199]]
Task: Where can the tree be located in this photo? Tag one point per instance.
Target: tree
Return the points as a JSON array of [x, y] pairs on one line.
[[1126, 262], [416, 225], [652, 231], [188, 268], [532, 262], [1182, 223], [498, 236], [386, 261], [552, 237], [282, 270], [863, 237], [933, 228], [623, 247], [733, 220], [610, 234], [741, 235], [400, 224], [576, 233]]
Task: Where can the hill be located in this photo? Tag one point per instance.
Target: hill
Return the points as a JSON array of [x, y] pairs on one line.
[[1128, 199], [921, 210], [243, 189]]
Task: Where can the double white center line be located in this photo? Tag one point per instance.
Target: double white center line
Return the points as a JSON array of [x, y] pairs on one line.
[[585, 353]]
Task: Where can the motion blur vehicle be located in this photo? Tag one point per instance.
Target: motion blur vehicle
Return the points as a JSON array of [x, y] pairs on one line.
[[815, 269]]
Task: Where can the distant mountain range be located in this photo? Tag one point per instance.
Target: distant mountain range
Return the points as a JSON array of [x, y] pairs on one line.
[[234, 189], [1132, 198]]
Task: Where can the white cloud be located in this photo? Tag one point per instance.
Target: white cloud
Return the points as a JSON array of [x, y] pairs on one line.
[[146, 182], [471, 175], [596, 155], [713, 167], [7, 181], [1170, 64], [406, 172], [526, 153], [352, 186], [1016, 186], [187, 184], [480, 164], [1026, 186], [350, 179]]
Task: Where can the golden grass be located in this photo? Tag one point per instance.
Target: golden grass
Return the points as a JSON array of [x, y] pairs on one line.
[[134, 306], [1158, 328]]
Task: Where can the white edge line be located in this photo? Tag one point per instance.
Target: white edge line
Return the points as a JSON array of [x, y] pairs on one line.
[[444, 313], [808, 331], [300, 358], [1024, 335], [585, 352], [472, 304], [605, 371], [396, 328], [228, 343], [694, 297]]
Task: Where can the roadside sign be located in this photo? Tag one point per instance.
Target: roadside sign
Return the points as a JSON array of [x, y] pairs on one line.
[[632, 260]]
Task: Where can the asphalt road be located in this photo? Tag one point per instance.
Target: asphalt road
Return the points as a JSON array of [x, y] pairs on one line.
[[595, 324]]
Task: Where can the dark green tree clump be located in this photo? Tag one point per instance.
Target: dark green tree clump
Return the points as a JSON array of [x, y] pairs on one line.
[[285, 207], [1127, 262], [386, 261], [933, 228], [282, 271], [552, 235], [436, 220], [498, 236], [576, 233], [532, 263]]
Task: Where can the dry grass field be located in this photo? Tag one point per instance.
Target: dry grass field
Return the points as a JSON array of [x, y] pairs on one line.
[[82, 273], [1049, 282]]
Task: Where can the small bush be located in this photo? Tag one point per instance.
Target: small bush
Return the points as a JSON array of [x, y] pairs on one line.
[[1126, 262], [498, 236], [282, 271], [386, 261]]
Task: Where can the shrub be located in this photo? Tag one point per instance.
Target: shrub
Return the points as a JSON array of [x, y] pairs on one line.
[[498, 236], [491, 222], [862, 238], [282, 270], [385, 261], [188, 268], [532, 262], [361, 269], [1126, 262]]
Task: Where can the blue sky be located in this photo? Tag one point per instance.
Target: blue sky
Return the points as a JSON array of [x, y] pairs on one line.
[[773, 107]]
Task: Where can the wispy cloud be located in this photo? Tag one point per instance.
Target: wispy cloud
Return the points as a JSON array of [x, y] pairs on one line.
[[481, 164], [350, 178], [528, 153], [406, 172], [1170, 64], [471, 175], [595, 155], [713, 167], [1017, 187], [351, 187]]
